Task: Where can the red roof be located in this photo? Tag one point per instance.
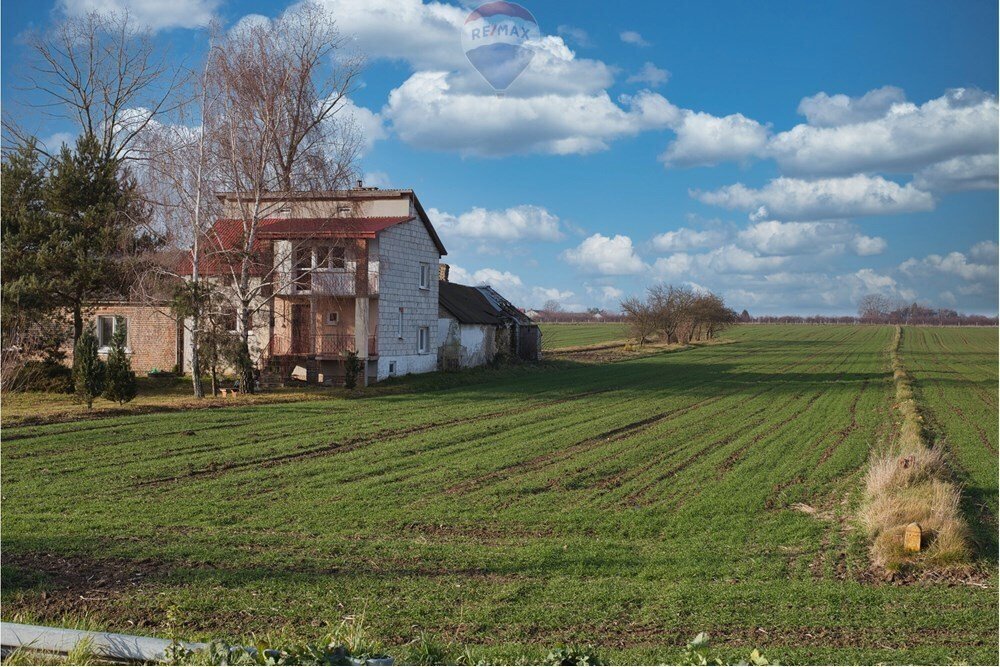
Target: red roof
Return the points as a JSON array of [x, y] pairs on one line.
[[227, 234]]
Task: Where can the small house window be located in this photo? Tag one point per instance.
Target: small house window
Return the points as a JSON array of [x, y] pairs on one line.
[[333, 317], [330, 257], [392, 368], [399, 324], [107, 325], [425, 276], [424, 340], [228, 318]]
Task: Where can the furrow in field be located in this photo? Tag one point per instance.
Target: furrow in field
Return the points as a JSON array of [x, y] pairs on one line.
[[642, 496], [354, 443]]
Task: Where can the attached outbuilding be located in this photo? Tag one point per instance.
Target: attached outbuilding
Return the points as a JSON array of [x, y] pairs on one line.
[[477, 325]]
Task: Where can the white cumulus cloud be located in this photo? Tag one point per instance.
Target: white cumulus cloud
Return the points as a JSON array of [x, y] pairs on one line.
[[649, 74], [773, 237], [822, 110], [632, 37], [797, 199], [974, 172], [704, 139], [511, 224], [426, 113], [611, 256], [686, 239], [906, 138], [157, 14]]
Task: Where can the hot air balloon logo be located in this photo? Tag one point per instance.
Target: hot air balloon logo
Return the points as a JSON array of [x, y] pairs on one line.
[[496, 38]]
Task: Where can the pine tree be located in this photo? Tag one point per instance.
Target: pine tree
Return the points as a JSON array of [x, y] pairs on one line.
[[88, 369], [120, 384], [71, 229]]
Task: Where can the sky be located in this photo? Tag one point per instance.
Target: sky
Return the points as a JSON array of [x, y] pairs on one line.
[[791, 157]]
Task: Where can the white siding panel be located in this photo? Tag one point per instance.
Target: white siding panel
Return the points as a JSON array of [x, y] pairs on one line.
[[402, 248]]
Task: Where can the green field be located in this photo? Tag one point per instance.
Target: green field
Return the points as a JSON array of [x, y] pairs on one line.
[[627, 505], [955, 378], [557, 334]]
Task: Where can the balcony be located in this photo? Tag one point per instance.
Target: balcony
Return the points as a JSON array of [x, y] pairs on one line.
[[327, 282], [322, 346]]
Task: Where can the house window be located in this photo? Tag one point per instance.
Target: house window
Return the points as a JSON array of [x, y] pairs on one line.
[[303, 270], [424, 340], [399, 324], [228, 318], [392, 368], [425, 276], [107, 325], [330, 257], [333, 317]]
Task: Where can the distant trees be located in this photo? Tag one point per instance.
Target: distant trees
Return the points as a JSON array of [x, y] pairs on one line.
[[874, 308], [641, 319], [677, 314]]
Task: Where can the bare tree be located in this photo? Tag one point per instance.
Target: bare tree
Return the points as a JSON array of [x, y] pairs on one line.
[[281, 91], [102, 72], [874, 307], [180, 177], [641, 319], [672, 307], [710, 315]]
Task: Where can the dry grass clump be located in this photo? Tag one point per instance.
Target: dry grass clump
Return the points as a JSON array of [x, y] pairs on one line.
[[910, 484], [891, 472]]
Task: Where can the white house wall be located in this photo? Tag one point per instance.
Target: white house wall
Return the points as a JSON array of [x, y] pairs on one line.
[[402, 248]]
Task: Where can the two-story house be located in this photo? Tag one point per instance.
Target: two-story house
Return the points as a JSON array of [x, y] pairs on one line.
[[333, 273], [339, 272]]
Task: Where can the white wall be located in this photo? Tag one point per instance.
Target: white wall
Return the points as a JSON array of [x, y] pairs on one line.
[[402, 248], [476, 342]]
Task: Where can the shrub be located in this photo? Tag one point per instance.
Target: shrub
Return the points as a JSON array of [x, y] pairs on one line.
[[46, 375], [352, 370], [120, 384], [88, 369]]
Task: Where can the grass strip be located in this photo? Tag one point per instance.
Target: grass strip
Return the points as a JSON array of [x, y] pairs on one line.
[[910, 483]]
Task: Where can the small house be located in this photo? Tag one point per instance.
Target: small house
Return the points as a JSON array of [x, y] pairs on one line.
[[477, 325]]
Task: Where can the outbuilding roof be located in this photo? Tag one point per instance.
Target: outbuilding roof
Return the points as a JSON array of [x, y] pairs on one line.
[[478, 305], [466, 304]]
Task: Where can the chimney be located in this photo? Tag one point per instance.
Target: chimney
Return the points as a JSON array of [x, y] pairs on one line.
[[361, 184], [443, 272]]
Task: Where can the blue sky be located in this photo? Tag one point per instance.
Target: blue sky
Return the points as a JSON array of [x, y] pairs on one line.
[[791, 156]]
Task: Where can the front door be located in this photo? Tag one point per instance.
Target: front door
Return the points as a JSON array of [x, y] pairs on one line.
[[300, 328]]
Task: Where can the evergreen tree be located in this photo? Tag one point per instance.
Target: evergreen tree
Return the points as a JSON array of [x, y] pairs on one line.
[[24, 219], [88, 369], [71, 229], [120, 384]]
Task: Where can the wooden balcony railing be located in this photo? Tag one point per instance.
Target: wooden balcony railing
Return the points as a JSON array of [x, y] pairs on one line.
[[338, 345], [330, 346]]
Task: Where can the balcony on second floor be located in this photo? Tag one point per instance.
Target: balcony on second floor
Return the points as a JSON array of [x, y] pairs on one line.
[[329, 282]]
